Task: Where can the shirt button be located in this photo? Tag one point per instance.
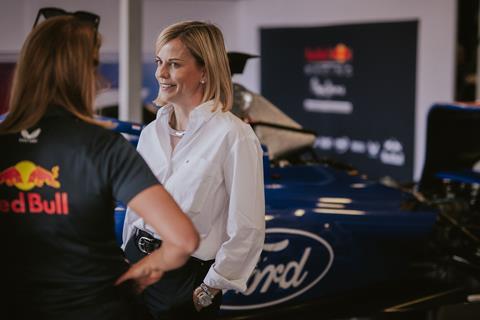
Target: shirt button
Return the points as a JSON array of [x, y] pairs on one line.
[[187, 161]]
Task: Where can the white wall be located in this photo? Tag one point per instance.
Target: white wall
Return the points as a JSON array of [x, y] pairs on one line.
[[17, 18], [160, 13], [240, 21]]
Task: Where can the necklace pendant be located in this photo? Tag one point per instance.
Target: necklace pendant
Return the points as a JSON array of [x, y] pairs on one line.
[[176, 133]]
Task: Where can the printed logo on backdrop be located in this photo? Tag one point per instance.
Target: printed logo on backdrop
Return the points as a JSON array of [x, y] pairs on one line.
[[389, 152], [292, 262], [326, 68]]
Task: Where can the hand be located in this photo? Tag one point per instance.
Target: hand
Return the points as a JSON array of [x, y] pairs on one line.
[[143, 273], [197, 291]]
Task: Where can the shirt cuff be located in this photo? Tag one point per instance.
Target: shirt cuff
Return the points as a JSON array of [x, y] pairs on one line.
[[215, 280]]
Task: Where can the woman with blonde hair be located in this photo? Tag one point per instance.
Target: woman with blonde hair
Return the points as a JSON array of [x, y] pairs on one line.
[[60, 174], [211, 163]]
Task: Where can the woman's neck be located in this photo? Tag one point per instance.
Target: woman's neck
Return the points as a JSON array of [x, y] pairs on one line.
[[180, 117]]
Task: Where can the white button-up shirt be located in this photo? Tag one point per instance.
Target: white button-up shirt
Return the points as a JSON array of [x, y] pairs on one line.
[[215, 173]]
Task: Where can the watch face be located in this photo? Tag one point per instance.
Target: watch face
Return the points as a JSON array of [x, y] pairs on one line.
[[204, 299]]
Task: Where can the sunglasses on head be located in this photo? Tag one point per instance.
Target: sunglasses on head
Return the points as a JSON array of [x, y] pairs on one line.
[[48, 13]]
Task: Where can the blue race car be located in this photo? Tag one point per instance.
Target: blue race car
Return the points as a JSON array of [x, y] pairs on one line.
[[338, 244]]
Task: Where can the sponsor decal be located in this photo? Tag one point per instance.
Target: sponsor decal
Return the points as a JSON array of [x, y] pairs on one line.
[[392, 153], [292, 262], [340, 53], [33, 203], [328, 68], [342, 144], [328, 106], [358, 146], [373, 147], [27, 137], [321, 65], [389, 152], [326, 89], [25, 176]]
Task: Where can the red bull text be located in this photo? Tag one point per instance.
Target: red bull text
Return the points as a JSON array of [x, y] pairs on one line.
[[33, 202], [25, 176]]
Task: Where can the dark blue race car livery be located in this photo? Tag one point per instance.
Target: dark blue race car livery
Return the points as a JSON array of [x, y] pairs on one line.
[[332, 233]]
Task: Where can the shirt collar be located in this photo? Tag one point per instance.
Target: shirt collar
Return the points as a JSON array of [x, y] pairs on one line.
[[201, 112], [56, 111]]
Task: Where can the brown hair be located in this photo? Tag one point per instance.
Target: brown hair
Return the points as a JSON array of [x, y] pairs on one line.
[[205, 43], [56, 67]]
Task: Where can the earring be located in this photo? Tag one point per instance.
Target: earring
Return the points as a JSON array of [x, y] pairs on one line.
[[202, 81]]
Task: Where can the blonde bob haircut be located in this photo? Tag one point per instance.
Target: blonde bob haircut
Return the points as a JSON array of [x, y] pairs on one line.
[[205, 43], [56, 68]]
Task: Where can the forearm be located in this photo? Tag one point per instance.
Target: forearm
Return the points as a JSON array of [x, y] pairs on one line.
[[169, 256]]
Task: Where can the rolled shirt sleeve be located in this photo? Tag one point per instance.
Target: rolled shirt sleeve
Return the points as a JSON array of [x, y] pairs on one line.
[[239, 254]]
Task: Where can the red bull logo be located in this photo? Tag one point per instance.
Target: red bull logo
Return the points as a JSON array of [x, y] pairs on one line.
[[340, 53], [25, 176]]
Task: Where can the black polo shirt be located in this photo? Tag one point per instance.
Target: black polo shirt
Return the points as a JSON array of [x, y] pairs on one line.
[[58, 184]]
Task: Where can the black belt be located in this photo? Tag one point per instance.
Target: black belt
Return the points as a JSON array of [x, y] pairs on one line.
[[146, 243]]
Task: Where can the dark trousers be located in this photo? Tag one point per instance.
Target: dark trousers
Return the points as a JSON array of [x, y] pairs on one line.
[[171, 296]]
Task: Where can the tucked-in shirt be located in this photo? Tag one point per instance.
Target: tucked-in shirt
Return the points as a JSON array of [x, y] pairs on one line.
[[215, 174], [58, 184]]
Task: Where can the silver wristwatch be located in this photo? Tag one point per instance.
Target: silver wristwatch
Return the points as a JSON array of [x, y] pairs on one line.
[[205, 296]]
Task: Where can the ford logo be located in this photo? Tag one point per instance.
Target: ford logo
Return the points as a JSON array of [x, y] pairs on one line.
[[292, 262]]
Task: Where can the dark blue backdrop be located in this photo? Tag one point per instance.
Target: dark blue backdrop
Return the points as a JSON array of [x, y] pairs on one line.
[[352, 84]]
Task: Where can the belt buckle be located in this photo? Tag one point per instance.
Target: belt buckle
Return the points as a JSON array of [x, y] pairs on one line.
[[143, 242]]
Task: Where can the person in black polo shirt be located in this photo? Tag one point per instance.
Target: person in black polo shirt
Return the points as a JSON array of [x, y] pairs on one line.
[[60, 174]]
